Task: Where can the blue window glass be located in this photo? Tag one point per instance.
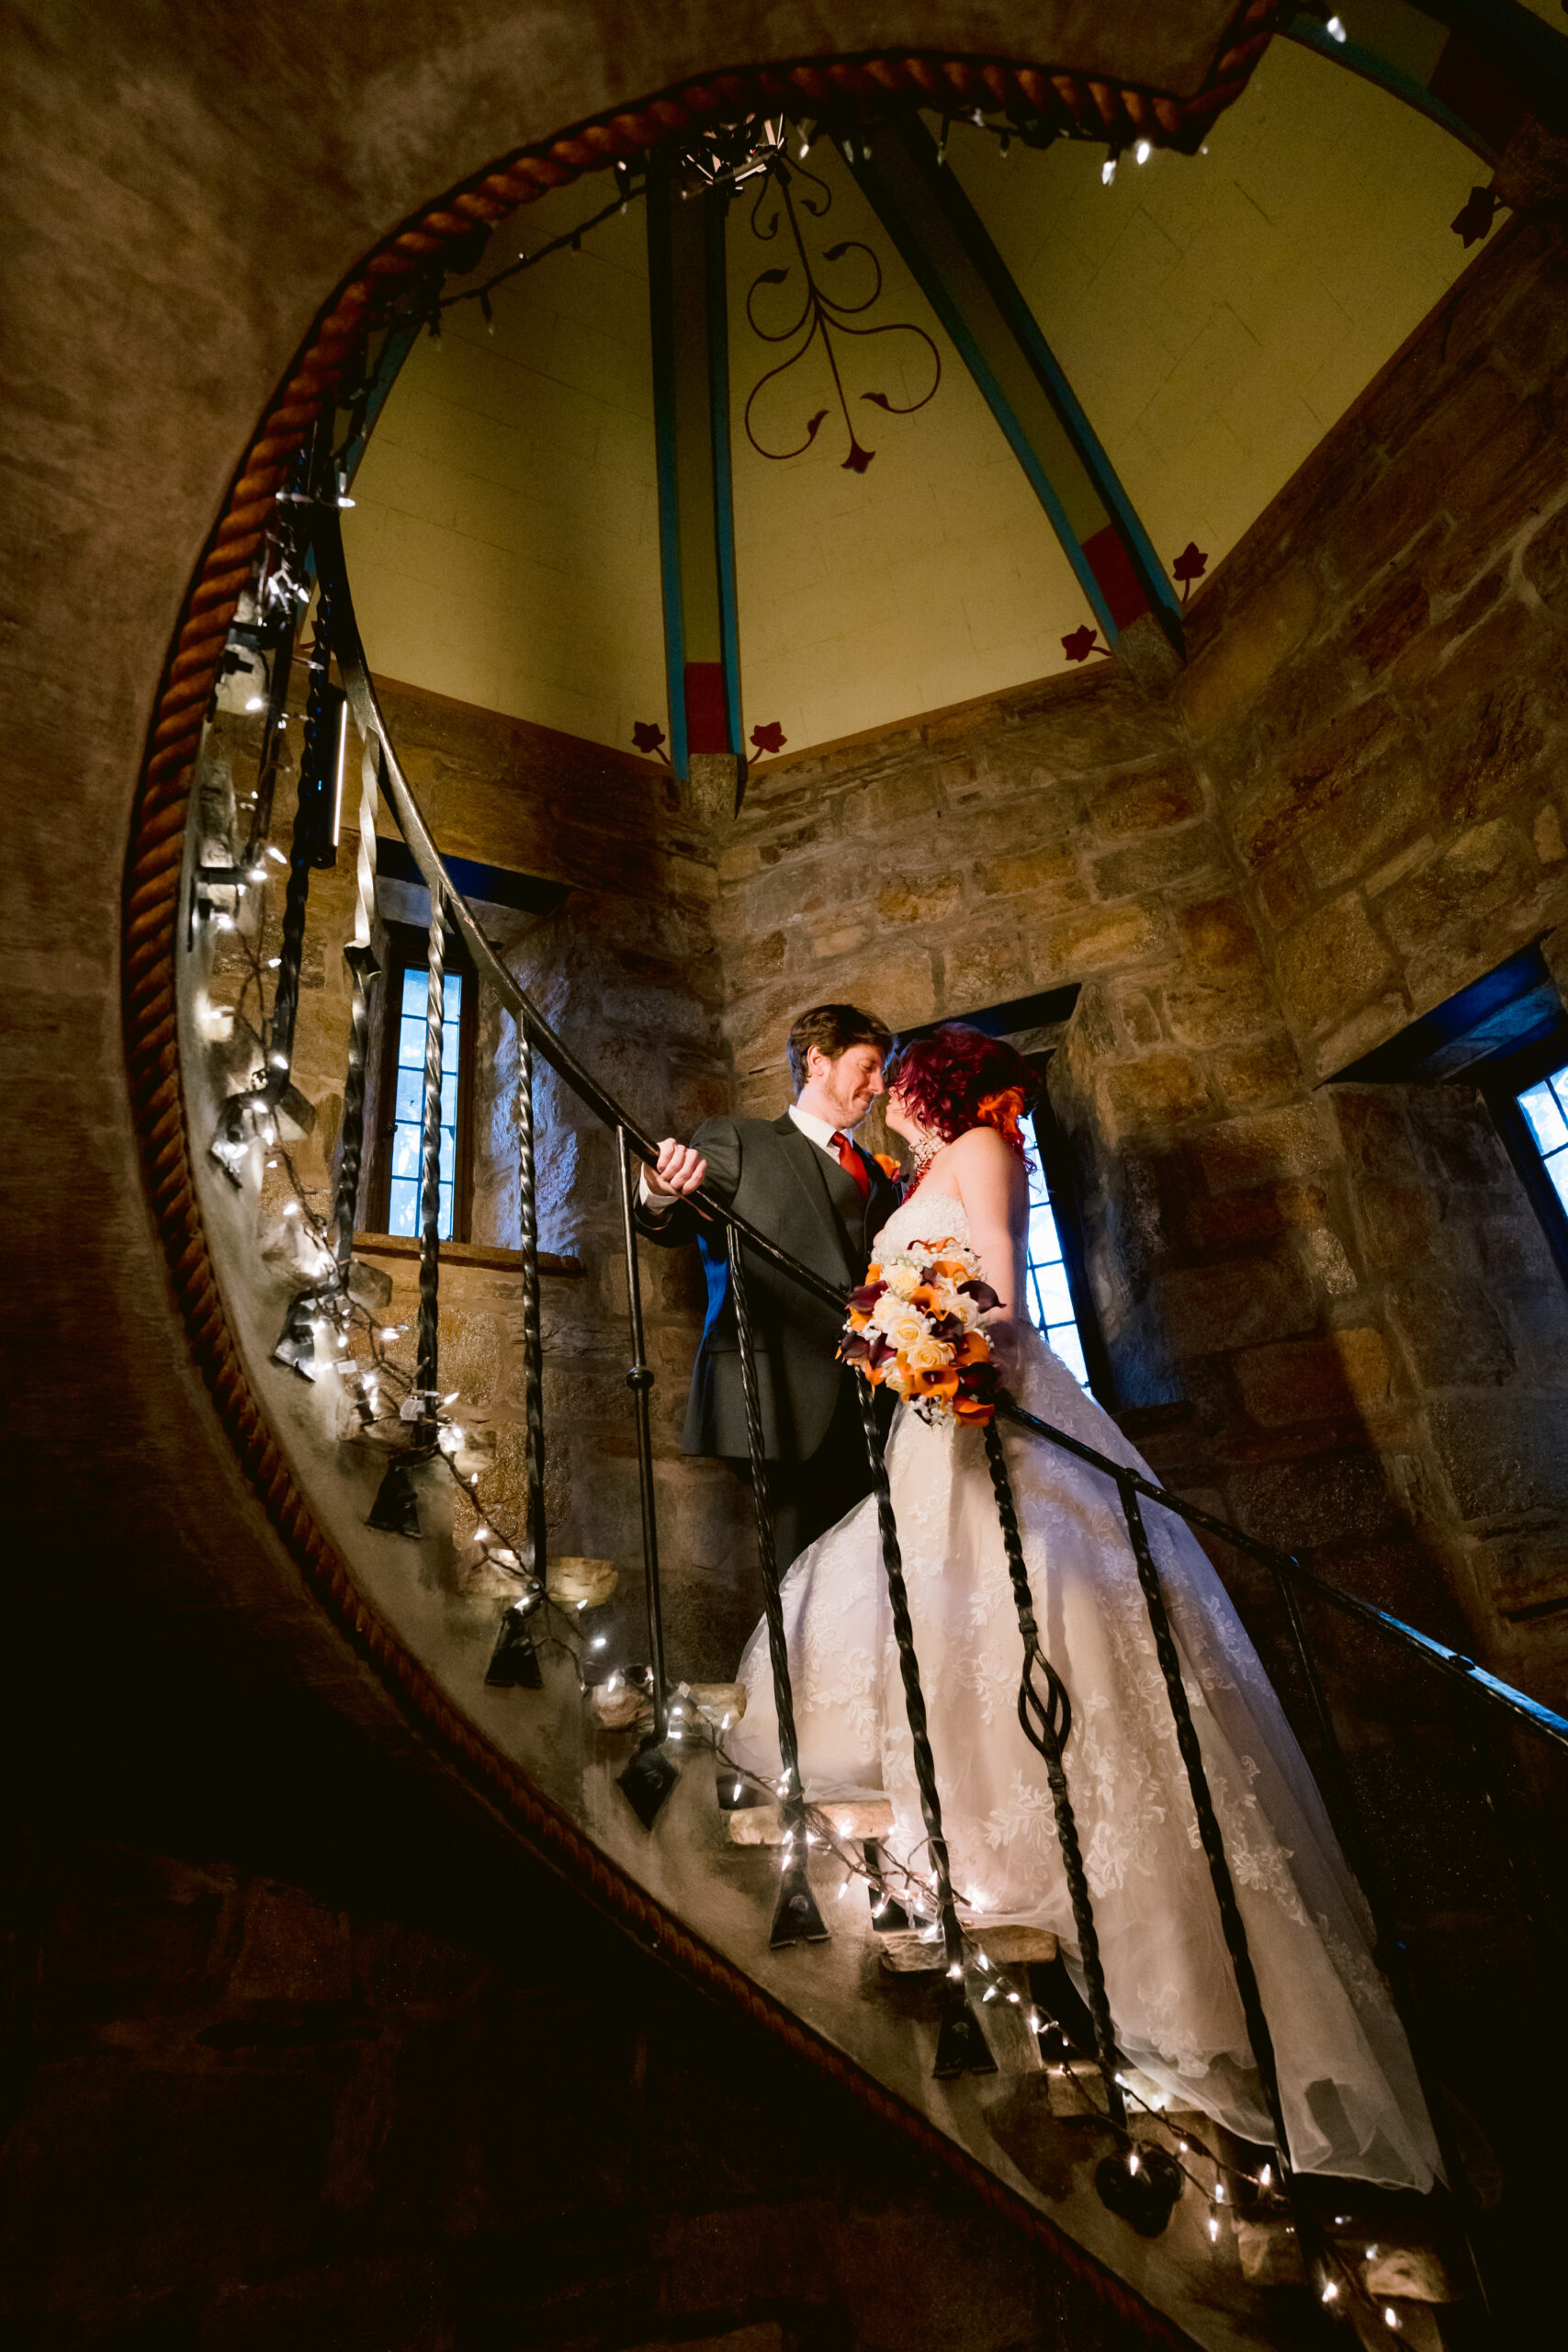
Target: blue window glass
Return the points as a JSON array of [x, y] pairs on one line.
[[1050, 1301], [1545, 1106], [408, 1107]]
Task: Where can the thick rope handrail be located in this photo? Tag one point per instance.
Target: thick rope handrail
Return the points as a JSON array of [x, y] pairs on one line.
[[368, 717]]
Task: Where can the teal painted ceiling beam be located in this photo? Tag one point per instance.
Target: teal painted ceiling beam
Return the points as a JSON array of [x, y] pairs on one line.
[[950, 252], [688, 322]]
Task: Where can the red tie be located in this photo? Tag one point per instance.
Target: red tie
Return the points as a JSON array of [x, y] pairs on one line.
[[851, 1163]]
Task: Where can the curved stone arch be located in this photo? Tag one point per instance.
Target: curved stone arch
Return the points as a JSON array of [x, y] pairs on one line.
[[852, 88]]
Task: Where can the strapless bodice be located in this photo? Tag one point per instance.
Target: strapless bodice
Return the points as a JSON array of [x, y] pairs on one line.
[[924, 1216]]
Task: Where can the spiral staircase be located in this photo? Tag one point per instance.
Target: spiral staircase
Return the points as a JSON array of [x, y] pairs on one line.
[[321, 1362]]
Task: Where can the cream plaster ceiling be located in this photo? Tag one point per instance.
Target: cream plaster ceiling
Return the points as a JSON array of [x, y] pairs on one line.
[[1215, 313]]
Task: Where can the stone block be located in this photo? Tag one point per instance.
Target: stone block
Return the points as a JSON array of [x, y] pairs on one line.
[[979, 972], [1233, 671], [1500, 1454], [1332, 962], [893, 803], [1140, 1016], [1211, 1221], [1385, 622], [1050, 876], [933, 896], [1328, 1498], [1312, 776], [1159, 1092], [1146, 804], [1312, 1380], [1202, 1015], [1244, 1075], [1264, 1146], [1212, 1309], [1192, 855], [1545, 562], [1489, 865], [1451, 1332], [1499, 647], [1100, 939], [1216, 934]]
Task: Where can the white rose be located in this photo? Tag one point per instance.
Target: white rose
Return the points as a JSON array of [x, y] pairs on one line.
[[902, 1280]]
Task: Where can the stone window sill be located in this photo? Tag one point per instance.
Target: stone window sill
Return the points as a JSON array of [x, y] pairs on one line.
[[462, 1253]]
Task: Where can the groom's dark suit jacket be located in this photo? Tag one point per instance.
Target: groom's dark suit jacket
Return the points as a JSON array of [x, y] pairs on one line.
[[785, 1185]]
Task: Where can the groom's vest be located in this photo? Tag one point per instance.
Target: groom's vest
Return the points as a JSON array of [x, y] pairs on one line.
[[785, 1184]]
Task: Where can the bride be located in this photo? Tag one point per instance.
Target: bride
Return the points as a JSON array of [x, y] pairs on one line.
[[1348, 2086]]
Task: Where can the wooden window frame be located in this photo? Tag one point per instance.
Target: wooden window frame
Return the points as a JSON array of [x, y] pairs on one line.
[[408, 950]]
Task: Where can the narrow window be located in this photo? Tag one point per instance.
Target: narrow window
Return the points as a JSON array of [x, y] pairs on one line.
[[398, 1177], [1059, 1299], [1545, 1106], [1050, 1297]]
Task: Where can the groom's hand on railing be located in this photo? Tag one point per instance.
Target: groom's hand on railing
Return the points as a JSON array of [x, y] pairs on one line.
[[677, 1170]]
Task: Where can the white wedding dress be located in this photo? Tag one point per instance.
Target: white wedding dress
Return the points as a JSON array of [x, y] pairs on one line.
[[1352, 2101]]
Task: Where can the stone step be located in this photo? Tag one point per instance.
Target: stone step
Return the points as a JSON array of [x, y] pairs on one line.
[[853, 1820], [908, 1953]]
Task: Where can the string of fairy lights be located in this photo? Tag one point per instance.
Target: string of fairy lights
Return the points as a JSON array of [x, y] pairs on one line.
[[352, 1343]]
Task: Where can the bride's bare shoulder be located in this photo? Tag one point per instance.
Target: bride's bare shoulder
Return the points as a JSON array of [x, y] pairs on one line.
[[983, 1170], [980, 1148]]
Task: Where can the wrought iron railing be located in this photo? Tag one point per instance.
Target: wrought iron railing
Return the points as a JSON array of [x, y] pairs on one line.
[[1043, 1707]]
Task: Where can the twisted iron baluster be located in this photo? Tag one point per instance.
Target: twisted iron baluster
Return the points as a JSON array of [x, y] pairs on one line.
[[650, 1776], [961, 2046], [1231, 1921], [797, 1917], [533, 1357], [427, 1359], [1046, 1724]]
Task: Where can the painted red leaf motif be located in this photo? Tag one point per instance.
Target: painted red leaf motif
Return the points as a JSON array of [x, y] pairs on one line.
[[770, 738], [858, 459], [1081, 643], [647, 737], [1191, 563], [1474, 217]]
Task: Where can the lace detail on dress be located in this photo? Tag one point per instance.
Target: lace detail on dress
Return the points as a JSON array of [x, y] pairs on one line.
[[1172, 1991]]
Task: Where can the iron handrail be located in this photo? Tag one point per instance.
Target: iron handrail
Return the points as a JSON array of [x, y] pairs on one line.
[[365, 705]]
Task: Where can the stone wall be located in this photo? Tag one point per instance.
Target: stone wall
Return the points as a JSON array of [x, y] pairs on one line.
[[1352, 804]]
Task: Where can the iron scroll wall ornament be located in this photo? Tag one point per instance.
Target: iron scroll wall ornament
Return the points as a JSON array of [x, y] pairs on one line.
[[787, 190]]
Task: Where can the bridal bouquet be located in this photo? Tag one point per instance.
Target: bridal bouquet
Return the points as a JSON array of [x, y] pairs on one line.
[[914, 1323]]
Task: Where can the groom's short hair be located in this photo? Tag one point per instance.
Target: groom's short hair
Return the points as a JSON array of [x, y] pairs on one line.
[[833, 1028]]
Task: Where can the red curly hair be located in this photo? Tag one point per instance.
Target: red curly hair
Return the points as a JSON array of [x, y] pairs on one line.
[[958, 1078]]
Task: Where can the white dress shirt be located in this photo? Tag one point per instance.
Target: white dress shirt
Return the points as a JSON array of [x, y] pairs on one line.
[[818, 1131]]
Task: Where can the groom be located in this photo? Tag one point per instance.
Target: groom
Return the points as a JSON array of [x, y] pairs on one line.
[[806, 1184]]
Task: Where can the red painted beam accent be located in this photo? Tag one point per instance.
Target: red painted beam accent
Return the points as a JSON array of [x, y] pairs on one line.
[[706, 726], [1112, 567]]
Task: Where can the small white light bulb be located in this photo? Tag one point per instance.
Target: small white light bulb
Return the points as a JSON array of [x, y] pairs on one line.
[[255, 702], [1107, 171], [1143, 151], [1390, 2316], [1336, 31]]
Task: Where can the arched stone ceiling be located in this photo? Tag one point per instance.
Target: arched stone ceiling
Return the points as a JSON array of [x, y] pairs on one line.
[[1215, 314]]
